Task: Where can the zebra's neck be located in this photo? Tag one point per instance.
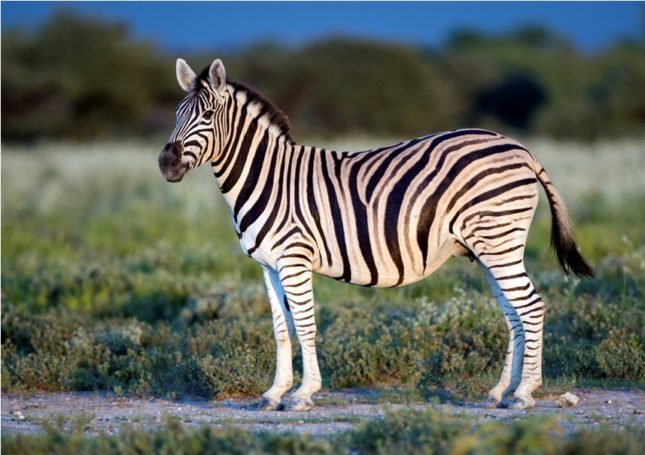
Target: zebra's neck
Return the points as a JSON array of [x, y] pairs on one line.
[[257, 150]]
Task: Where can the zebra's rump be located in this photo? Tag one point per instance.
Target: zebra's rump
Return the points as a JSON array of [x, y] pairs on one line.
[[395, 214]]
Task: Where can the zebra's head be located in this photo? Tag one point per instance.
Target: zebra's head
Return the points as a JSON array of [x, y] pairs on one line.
[[200, 126]]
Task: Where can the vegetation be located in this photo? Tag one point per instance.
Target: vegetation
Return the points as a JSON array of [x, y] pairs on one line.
[[405, 432], [528, 81], [114, 279]]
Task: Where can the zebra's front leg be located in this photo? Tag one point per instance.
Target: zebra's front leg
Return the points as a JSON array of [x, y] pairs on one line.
[[283, 330], [511, 373], [296, 278]]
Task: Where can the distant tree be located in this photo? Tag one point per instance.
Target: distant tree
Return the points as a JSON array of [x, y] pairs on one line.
[[513, 101], [619, 93], [85, 79], [533, 81], [351, 86], [78, 78]]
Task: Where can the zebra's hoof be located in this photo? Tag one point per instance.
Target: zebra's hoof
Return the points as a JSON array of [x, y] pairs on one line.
[[523, 402], [492, 402], [299, 404], [503, 404], [267, 404]]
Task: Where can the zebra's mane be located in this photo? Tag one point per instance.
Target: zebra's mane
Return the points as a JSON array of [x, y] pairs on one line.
[[276, 116]]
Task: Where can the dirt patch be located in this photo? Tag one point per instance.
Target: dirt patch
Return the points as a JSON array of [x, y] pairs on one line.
[[335, 411]]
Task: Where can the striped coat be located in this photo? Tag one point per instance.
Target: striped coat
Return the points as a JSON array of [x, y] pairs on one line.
[[380, 218]]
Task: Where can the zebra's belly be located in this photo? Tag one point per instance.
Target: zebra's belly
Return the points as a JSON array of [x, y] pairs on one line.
[[386, 276]]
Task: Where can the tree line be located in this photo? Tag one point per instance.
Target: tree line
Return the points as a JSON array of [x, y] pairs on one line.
[[77, 78]]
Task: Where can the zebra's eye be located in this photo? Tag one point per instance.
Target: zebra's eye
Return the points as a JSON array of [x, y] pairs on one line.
[[207, 115]]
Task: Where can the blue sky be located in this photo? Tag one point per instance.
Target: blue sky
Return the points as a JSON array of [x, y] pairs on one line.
[[224, 25]]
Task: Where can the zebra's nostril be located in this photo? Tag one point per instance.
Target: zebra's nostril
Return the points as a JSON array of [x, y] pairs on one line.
[[170, 156], [175, 149]]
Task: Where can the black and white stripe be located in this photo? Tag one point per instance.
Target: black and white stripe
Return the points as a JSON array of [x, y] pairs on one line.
[[381, 218]]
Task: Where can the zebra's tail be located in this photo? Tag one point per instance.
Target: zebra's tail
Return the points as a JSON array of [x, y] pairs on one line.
[[562, 241]]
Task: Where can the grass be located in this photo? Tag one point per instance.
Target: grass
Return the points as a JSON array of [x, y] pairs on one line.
[[413, 432], [113, 279]]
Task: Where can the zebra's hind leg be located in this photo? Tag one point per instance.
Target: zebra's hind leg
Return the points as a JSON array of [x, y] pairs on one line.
[[511, 373], [530, 308], [517, 289]]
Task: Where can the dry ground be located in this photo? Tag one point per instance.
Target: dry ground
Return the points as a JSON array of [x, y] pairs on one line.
[[335, 412]]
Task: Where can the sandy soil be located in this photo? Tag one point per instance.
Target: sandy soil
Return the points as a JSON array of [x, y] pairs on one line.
[[334, 412]]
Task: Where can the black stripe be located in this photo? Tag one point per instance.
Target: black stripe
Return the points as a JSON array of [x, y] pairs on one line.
[[510, 277], [298, 245], [499, 253], [313, 206], [295, 274], [261, 203], [227, 157], [229, 139], [486, 227], [337, 217], [362, 222], [285, 286], [518, 198], [523, 298], [298, 195], [517, 288], [502, 234], [242, 158], [285, 171], [296, 255], [508, 264]]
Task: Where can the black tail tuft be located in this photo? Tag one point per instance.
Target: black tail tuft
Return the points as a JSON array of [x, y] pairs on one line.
[[561, 231], [566, 251]]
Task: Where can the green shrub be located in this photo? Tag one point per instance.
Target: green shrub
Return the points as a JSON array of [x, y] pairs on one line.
[[621, 356], [469, 341], [625, 441], [406, 432], [138, 286]]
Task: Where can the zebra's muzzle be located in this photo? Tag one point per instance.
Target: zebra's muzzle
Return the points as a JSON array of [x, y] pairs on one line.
[[170, 163]]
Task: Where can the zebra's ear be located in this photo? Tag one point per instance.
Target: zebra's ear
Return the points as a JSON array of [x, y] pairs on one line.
[[185, 75], [217, 76]]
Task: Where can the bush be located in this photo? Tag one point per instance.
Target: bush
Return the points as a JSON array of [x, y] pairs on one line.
[[155, 297], [622, 356], [406, 432]]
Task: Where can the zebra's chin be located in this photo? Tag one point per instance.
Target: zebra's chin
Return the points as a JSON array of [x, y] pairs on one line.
[[175, 179], [174, 174]]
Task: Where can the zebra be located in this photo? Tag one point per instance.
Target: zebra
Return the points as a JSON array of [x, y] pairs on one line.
[[379, 218]]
